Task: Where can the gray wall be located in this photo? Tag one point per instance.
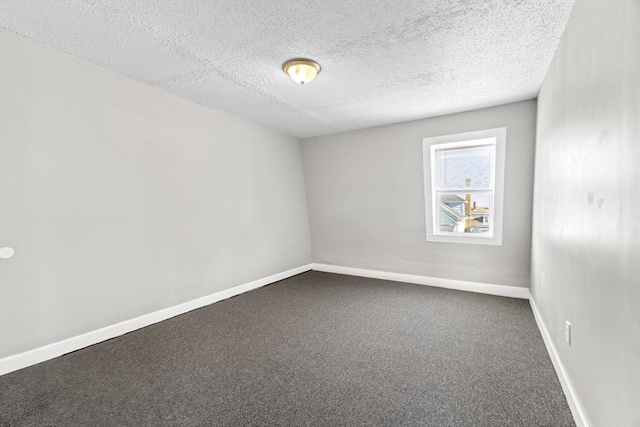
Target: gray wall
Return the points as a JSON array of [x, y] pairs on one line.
[[366, 199], [586, 255], [121, 199]]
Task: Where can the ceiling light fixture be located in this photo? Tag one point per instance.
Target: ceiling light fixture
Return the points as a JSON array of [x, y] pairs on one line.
[[301, 70]]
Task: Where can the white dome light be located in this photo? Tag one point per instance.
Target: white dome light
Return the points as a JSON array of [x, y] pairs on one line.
[[301, 70]]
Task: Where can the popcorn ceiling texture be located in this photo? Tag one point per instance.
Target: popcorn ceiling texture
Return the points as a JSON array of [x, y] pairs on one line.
[[383, 61]]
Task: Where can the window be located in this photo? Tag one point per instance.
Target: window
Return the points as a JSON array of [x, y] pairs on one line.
[[464, 177]]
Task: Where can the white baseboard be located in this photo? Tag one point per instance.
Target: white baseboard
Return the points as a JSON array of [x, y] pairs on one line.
[[461, 285], [572, 398], [50, 351]]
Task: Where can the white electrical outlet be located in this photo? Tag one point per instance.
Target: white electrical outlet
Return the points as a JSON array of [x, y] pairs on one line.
[[567, 332]]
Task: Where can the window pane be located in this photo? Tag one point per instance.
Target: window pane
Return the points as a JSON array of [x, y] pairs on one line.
[[467, 168], [465, 213]]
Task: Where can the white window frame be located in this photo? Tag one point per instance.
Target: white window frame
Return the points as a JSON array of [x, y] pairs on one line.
[[496, 137]]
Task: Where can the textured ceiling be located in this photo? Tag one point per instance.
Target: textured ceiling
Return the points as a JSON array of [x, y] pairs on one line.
[[383, 61]]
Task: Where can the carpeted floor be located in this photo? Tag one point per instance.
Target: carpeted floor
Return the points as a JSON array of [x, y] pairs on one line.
[[316, 349]]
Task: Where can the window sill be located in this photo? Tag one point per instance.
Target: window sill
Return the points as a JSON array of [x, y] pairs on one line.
[[468, 239]]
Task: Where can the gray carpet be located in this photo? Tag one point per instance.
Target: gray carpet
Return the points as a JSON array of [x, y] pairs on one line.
[[316, 349]]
